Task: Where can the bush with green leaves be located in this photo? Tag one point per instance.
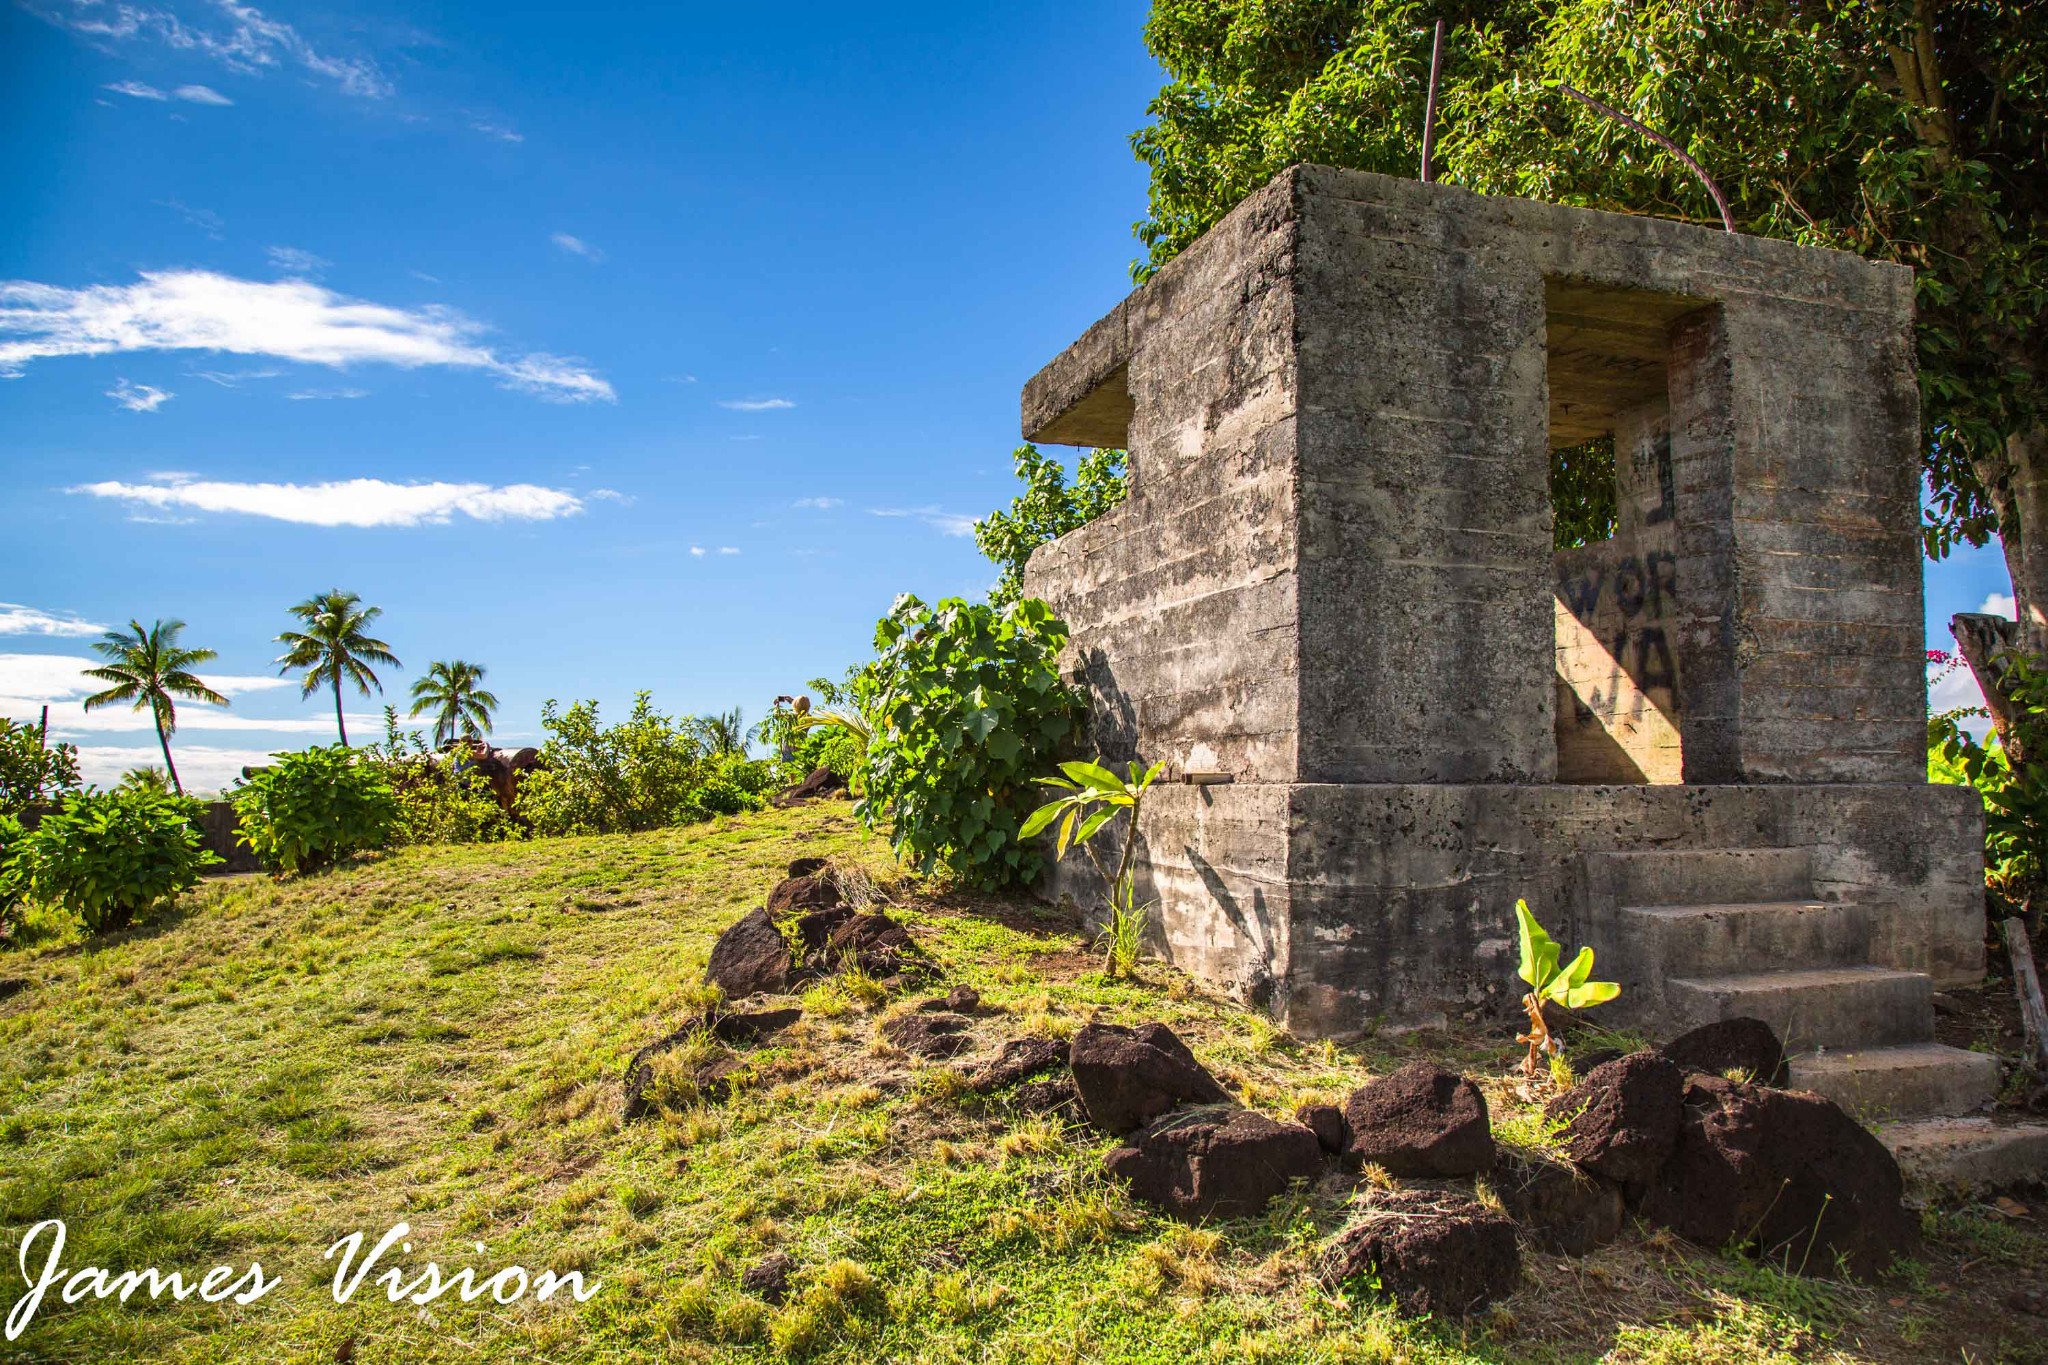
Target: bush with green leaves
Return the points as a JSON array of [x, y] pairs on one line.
[[31, 768], [649, 771], [966, 706], [13, 875], [2015, 802], [1047, 509], [109, 857], [310, 809]]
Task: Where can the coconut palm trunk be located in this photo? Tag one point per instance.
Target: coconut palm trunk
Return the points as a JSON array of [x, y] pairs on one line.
[[164, 742], [339, 723]]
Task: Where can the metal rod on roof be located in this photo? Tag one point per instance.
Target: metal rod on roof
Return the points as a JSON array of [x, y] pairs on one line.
[[1720, 199], [1436, 70]]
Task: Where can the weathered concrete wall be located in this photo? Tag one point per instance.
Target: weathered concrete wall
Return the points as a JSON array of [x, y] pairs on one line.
[[1183, 600]]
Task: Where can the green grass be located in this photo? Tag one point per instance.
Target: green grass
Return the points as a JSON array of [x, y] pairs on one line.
[[438, 1037]]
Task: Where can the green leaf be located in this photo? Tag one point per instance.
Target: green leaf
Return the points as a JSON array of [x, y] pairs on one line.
[[1094, 823], [1035, 823], [1592, 993], [1539, 951], [1093, 775]]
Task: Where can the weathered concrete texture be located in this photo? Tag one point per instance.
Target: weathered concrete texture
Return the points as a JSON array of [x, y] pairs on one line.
[[1345, 905], [1335, 582], [1950, 1156]]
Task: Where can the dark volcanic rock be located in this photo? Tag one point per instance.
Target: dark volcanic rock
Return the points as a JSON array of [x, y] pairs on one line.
[[1129, 1076], [743, 1030], [1745, 1046], [751, 958], [1565, 1209], [814, 930], [821, 782], [1019, 1058], [769, 1277], [807, 867], [1419, 1121], [1786, 1174], [928, 1035], [713, 1078], [819, 891], [963, 1000], [1056, 1097], [1215, 1162], [1326, 1121], [1431, 1251], [875, 943], [1623, 1117]]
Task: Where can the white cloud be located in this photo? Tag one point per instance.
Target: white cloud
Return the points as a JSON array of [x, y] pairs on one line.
[[201, 94], [29, 682], [16, 619], [296, 260], [314, 395], [576, 246], [756, 404], [728, 549], [346, 502], [697, 550], [496, 130], [202, 767], [199, 310], [248, 42], [819, 504], [206, 220], [2001, 604], [136, 90], [138, 397], [229, 379], [952, 523]]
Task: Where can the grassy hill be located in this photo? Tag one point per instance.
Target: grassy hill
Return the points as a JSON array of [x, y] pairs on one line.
[[438, 1036]]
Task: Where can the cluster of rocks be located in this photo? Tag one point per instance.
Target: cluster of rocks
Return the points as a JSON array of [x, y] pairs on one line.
[[805, 932], [1664, 1133]]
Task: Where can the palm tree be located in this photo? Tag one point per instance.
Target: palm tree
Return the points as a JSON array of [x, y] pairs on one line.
[[451, 690], [335, 644], [724, 733], [148, 668]]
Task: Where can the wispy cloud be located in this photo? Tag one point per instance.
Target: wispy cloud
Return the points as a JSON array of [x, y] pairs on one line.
[[201, 94], [16, 619], [818, 504], [138, 397], [728, 549], [206, 220], [296, 260], [240, 37], [576, 246], [202, 767], [345, 502], [136, 90], [297, 320], [496, 130], [319, 395], [952, 523], [231, 379], [756, 404]]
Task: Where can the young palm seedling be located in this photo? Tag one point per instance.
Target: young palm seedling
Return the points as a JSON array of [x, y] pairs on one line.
[[1094, 797], [1571, 987]]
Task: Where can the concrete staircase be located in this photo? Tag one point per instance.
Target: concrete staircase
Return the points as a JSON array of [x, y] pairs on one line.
[[1696, 935]]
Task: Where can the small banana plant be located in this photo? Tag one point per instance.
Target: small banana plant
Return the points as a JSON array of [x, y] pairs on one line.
[[1094, 796], [1571, 987]]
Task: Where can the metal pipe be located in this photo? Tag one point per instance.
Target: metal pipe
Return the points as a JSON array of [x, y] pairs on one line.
[[1720, 200], [1436, 70]]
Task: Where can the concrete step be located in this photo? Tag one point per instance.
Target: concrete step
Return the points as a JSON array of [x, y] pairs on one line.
[[1714, 940], [1950, 1156], [1700, 876], [1914, 1078], [1817, 1007]]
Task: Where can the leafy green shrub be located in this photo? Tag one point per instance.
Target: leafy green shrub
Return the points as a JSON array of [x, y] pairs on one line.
[[315, 807], [1047, 509], [647, 772], [110, 856], [2015, 803], [13, 874], [966, 705], [32, 770], [453, 808]]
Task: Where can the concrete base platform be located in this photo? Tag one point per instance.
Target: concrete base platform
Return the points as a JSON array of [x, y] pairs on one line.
[[1342, 907], [1945, 1157]]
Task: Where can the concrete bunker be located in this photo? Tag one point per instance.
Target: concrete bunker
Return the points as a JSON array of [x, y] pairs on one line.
[[1336, 595]]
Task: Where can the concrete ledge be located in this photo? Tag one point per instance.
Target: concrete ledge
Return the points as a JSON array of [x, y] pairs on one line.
[[1947, 1157]]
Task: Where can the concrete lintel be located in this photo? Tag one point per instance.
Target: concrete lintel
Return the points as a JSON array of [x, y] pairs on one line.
[[1082, 398]]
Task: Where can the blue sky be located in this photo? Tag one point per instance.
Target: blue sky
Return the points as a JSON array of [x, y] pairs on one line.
[[609, 347]]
